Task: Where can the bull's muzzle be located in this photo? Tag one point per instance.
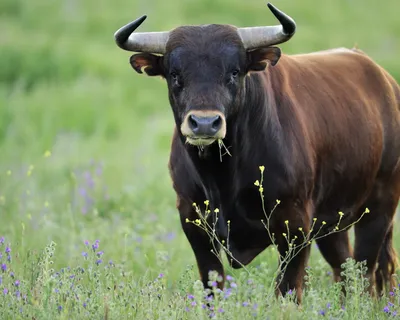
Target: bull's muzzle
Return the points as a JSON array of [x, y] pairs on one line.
[[202, 128]]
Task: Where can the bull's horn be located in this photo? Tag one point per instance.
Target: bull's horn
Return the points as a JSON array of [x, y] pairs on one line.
[[257, 37], [153, 42]]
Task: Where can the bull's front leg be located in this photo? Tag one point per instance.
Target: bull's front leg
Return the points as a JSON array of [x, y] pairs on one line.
[[292, 269], [294, 250], [206, 250]]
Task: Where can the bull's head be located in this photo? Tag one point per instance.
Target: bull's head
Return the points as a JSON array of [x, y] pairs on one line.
[[205, 67]]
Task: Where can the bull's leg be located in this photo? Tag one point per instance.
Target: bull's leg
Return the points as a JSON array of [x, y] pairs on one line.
[[373, 234], [335, 248], [206, 251], [292, 268], [294, 251]]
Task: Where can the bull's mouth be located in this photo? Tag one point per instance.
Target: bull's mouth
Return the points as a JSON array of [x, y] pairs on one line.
[[200, 141]]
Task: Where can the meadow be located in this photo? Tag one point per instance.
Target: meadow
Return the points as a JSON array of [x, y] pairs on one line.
[[89, 227]]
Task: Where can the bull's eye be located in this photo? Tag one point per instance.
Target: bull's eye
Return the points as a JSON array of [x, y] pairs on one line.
[[233, 75], [174, 76], [175, 79]]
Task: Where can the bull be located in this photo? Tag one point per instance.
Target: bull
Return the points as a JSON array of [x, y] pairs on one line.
[[323, 126]]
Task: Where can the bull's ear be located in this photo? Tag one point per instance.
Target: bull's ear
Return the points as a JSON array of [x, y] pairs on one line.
[[150, 63], [257, 59]]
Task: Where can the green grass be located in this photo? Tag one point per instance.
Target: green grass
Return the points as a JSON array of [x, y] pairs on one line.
[[67, 88]]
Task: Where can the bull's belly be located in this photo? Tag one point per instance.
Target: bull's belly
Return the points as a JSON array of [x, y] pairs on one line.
[[245, 238]]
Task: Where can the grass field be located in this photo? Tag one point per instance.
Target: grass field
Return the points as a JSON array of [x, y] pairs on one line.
[[87, 208]]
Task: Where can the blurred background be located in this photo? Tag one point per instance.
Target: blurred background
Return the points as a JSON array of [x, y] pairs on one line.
[[85, 140]]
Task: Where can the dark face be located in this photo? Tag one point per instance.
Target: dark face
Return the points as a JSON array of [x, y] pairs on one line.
[[205, 69]]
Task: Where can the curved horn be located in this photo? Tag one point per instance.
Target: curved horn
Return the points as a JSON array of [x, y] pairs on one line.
[[257, 37], [153, 42]]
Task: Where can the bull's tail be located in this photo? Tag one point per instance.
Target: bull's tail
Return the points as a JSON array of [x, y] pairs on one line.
[[387, 264]]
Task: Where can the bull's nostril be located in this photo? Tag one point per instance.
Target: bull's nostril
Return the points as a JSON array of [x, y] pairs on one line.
[[193, 123], [217, 123]]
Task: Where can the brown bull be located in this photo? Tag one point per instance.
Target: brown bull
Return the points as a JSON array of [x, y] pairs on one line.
[[325, 125]]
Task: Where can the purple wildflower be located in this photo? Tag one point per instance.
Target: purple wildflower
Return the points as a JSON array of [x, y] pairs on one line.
[[328, 306], [214, 284], [110, 262], [386, 309], [84, 254], [229, 278], [233, 285], [220, 310], [86, 243], [193, 303], [99, 261], [203, 306], [161, 275], [187, 309], [228, 292], [8, 249], [17, 282], [59, 308], [290, 292], [100, 253], [390, 304], [322, 312], [9, 258], [391, 293], [3, 267], [12, 274], [190, 296], [95, 245], [84, 305], [5, 291], [1, 240], [1, 255], [56, 290], [18, 294], [245, 304]]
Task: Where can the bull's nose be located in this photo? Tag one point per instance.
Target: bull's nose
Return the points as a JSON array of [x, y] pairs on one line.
[[207, 126]]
